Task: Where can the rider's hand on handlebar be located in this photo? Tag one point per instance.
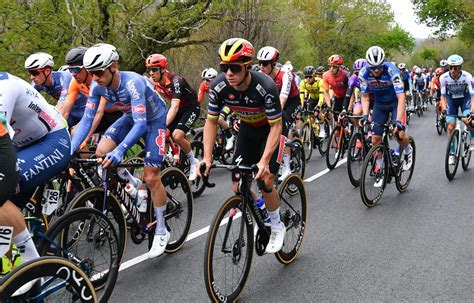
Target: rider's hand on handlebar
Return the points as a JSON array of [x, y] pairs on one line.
[[208, 163], [263, 171], [112, 158], [399, 126], [364, 120]]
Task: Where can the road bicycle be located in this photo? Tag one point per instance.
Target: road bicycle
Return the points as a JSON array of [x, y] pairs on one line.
[[310, 133], [459, 147], [338, 141], [359, 146], [230, 241], [382, 164]]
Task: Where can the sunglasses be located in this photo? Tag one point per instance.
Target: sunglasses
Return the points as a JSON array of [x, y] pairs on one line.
[[98, 73], [35, 72], [308, 77], [378, 67], [154, 69], [207, 80], [335, 66], [75, 69], [234, 68], [264, 63], [454, 68]]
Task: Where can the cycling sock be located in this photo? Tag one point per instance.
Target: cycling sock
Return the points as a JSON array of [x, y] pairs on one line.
[[25, 245], [275, 217], [380, 163], [191, 158], [286, 160], [160, 220]]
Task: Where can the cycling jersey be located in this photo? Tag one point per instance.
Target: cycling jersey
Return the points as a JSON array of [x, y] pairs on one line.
[[385, 87], [59, 85], [203, 89], [257, 106], [285, 82], [458, 93], [419, 82], [337, 82], [315, 91], [177, 88], [406, 78], [41, 136], [136, 98], [78, 97]]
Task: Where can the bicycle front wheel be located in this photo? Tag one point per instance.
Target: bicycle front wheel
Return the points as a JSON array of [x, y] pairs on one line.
[[451, 160], [374, 175], [405, 169], [57, 280], [323, 141], [334, 147], [355, 158], [466, 154], [197, 186], [439, 125], [307, 140], [293, 215], [229, 249], [297, 160]]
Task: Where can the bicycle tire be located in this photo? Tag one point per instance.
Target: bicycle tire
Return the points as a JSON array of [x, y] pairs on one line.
[[322, 146], [95, 229], [298, 159], [173, 178], [332, 145], [215, 289], [197, 186], [293, 217], [439, 125], [307, 139], [466, 155], [355, 159], [400, 182], [368, 172], [455, 140], [78, 283]]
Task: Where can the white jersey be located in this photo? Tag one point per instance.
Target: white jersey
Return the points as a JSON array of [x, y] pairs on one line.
[[30, 116], [460, 88]]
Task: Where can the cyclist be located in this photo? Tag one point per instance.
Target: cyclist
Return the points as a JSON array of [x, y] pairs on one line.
[[456, 92], [42, 143], [336, 79], [289, 101], [39, 67], [207, 75], [351, 101], [444, 65], [419, 86], [184, 108], [253, 97], [435, 89], [312, 93], [383, 80], [144, 115], [79, 90], [406, 79]]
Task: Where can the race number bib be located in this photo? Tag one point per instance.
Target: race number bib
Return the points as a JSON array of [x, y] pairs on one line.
[[6, 235], [51, 197]]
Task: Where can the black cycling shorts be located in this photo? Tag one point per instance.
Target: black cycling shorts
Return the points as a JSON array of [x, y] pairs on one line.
[[185, 119], [337, 106], [107, 120], [290, 111], [250, 146], [8, 169]]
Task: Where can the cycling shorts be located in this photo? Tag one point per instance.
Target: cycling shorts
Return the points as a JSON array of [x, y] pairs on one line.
[[337, 106], [380, 115], [291, 110], [108, 119], [453, 106], [8, 169], [185, 119], [250, 146], [40, 162], [155, 137]]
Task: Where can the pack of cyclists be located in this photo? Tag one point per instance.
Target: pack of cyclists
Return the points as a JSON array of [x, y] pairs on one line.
[[267, 98]]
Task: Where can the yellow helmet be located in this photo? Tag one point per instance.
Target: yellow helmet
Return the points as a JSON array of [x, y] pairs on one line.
[[236, 49]]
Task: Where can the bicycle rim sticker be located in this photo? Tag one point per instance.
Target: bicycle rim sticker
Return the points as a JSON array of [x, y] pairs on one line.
[[6, 235]]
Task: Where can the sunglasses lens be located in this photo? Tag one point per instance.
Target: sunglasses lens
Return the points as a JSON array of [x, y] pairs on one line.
[[264, 63], [308, 77], [234, 68], [153, 69], [75, 69], [33, 72], [98, 73]]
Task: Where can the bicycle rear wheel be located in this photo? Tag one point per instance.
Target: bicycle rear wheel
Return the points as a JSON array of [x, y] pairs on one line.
[[452, 152], [405, 172], [57, 280], [229, 250], [297, 160], [374, 175], [355, 158], [293, 215], [335, 145], [87, 236], [307, 139], [466, 155], [439, 125], [323, 142], [198, 186]]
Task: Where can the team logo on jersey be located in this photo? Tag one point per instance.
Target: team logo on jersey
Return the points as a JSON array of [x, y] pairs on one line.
[[260, 90], [231, 96], [132, 90], [139, 109], [90, 105], [220, 86], [124, 107], [161, 141]]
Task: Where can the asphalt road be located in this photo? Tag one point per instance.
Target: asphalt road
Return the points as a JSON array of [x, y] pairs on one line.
[[414, 246]]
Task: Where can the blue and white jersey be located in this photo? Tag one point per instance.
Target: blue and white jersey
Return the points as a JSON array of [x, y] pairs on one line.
[[384, 88], [135, 97], [459, 88], [59, 86]]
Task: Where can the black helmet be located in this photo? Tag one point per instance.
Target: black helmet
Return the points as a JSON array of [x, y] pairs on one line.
[[75, 56], [320, 69], [308, 70]]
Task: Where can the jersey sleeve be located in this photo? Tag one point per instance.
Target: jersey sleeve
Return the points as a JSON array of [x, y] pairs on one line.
[[286, 82], [442, 84], [302, 91], [65, 80], [325, 81], [272, 104], [215, 101], [202, 91], [470, 85], [8, 98], [396, 79], [364, 85], [178, 88], [72, 92]]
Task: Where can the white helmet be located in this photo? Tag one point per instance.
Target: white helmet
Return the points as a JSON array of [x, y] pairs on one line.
[[402, 65], [39, 60], [63, 68], [209, 73], [268, 53], [443, 63], [375, 56], [417, 70], [100, 56], [287, 67], [455, 60]]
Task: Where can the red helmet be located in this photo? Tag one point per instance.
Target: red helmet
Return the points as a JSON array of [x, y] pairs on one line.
[[236, 49], [156, 60], [335, 60]]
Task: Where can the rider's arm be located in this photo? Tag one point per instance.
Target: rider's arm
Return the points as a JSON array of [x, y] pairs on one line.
[[285, 88], [83, 127], [72, 93], [399, 90], [98, 116], [321, 93], [327, 97], [210, 127], [349, 94], [274, 117], [442, 86], [302, 91], [364, 89], [178, 89], [201, 92], [471, 92]]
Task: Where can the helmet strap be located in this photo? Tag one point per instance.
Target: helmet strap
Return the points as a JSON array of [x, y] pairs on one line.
[[45, 77], [112, 79]]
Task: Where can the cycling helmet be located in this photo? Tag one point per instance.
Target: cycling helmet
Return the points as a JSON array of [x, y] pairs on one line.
[[402, 65], [335, 60], [75, 57], [320, 69], [209, 73], [443, 63], [424, 70], [38, 61], [268, 53], [455, 60], [100, 56], [358, 64], [63, 68], [157, 60], [255, 68], [439, 71], [236, 49], [375, 56], [418, 71], [309, 70], [287, 68]]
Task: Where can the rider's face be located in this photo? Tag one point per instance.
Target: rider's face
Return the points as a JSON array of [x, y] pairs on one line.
[[234, 72], [38, 76], [102, 77]]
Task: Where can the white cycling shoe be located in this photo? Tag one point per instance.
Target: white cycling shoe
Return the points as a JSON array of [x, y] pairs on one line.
[[193, 171], [159, 245], [276, 239]]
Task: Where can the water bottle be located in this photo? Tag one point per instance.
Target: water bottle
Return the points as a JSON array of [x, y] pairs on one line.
[[128, 177], [142, 199], [263, 211], [395, 154], [132, 191]]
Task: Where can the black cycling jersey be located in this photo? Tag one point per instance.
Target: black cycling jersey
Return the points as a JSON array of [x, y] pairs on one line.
[[178, 88]]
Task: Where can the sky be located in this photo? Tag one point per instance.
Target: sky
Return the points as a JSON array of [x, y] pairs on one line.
[[406, 17]]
